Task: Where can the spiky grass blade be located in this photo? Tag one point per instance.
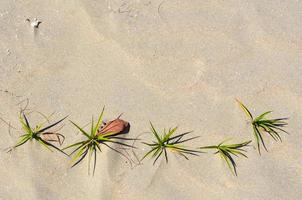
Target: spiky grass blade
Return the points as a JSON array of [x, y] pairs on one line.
[[82, 131], [90, 151], [73, 145], [44, 144], [155, 133], [53, 146], [149, 152], [244, 108], [170, 133], [158, 154], [82, 156], [50, 126], [260, 117], [262, 124], [84, 144], [94, 163], [259, 138], [27, 124], [98, 124], [165, 142], [227, 150], [22, 141]]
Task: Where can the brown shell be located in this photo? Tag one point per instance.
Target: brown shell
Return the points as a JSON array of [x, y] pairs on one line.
[[114, 126]]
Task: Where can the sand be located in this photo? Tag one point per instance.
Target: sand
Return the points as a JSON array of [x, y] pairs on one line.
[[172, 62]]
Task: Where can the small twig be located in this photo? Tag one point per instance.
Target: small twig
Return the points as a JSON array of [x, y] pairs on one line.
[[133, 152], [159, 6], [8, 123], [45, 117], [26, 105]]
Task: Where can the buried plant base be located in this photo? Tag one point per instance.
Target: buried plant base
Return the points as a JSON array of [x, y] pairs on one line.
[[93, 143], [227, 150], [262, 125], [166, 142], [39, 134]]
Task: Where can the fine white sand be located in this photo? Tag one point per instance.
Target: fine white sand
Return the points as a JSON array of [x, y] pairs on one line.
[[173, 62]]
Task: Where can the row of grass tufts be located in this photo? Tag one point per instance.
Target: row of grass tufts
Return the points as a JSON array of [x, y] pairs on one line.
[[163, 143]]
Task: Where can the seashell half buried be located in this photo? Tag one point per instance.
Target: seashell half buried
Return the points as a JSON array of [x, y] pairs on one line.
[[114, 127]]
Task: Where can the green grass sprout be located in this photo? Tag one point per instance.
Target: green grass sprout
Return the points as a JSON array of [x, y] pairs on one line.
[[93, 142], [227, 150], [262, 124], [39, 134], [167, 141]]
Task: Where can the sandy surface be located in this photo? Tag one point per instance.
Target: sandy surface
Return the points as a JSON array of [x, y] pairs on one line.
[[172, 62]]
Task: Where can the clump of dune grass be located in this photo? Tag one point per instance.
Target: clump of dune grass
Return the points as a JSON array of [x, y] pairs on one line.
[[262, 124], [167, 141], [92, 143], [227, 150], [39, 134]]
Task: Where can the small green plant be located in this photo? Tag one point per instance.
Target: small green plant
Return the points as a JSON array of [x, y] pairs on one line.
[[167, 142], [93, 142], [39, 134], [262, 125], [227, 150]]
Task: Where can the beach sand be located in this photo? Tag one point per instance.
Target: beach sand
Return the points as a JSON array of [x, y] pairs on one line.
[[172, 62]]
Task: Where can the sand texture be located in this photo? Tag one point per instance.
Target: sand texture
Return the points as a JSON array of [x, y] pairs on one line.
[[173, 62]]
